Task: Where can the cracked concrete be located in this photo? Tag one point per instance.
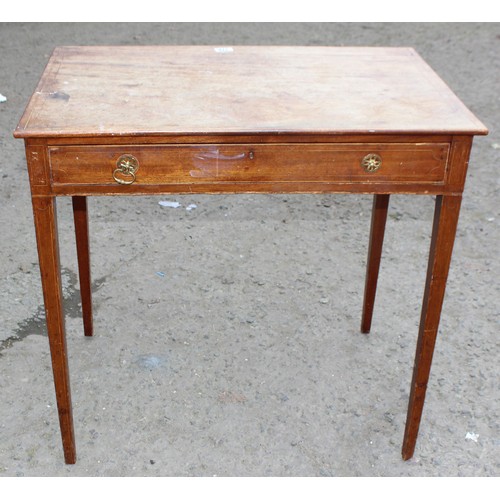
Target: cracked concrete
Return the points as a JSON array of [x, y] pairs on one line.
[[227, 336]]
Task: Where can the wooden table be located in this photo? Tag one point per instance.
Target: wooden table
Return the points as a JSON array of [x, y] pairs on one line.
[[150, 120]]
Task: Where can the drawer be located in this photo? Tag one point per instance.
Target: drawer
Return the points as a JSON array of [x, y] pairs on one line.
[[249, 163]]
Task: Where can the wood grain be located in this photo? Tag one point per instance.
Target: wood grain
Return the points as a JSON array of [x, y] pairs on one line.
[[321, 163], [148, 90], [80, 217], [377, 230], [443, 236], [45, 218]]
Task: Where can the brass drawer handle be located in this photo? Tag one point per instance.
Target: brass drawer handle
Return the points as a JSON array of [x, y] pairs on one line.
[[126, 167], [371, 162]]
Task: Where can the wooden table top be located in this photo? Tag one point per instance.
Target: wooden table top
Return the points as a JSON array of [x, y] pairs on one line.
[[196, 90]]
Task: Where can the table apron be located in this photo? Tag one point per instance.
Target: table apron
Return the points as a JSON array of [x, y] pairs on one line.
[[249, 188]]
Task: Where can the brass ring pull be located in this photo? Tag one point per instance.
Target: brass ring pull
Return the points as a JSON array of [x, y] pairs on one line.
[[126, 167], [123, 181], [371, 162]]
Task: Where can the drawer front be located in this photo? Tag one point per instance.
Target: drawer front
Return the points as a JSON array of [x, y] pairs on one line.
[[248, 163]]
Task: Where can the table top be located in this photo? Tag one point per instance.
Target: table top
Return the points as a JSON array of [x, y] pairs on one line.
[[196, 90]]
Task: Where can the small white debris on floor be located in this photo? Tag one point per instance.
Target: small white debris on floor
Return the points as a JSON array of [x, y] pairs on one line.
[[171, 204], [2, 98], [472, 436]]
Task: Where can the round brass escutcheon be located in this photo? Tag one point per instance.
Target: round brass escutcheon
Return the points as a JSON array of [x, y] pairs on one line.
[[126, 167], [371, 162]]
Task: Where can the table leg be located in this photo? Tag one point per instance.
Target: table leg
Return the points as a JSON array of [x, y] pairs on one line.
[[443, 236], [379, 217], [44, 210], [83, 254]]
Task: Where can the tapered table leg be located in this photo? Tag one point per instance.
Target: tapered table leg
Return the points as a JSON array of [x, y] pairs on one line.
[[379, 217], [443, 236], [83, 254], [44, 210]]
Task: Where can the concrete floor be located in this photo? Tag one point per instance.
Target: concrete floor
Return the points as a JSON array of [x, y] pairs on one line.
[[226, 337]]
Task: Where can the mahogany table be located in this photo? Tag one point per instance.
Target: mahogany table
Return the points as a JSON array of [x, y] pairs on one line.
[[148, 120]]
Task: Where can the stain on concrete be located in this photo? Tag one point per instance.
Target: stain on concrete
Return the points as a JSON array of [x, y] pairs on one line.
[[35, 324], [59, 95], [150, 362]]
